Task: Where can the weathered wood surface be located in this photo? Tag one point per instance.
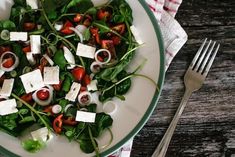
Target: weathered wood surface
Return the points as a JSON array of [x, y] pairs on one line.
[[207, 126]]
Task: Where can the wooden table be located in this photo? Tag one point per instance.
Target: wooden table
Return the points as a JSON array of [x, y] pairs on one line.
[[207, 126]]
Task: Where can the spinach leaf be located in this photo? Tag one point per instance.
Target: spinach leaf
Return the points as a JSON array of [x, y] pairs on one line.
[[102, 122], [123, 87], [59, 59], [9, 121], [91, 108], [66, 84], [20, 2], [33, 146], [86, 146], [80, 6], [7, 24]]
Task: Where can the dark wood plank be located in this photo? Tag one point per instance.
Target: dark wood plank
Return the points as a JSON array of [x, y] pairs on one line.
[[207, 12], [207, 126]]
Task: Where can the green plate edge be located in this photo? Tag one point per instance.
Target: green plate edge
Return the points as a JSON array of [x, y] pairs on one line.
[[5, 153], [157, 94]]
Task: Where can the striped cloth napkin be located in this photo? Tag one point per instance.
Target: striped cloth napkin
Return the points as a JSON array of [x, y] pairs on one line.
[[174, 38]]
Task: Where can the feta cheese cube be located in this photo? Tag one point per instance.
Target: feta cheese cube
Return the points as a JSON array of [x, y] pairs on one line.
[[85, 51], [35, 43], [51, 75], [88, 117], [32, 81], [8, 107], [136, 34], [42, 134], [32, 3], [92, 86], [73, 92], [18, 36], [7, 87]]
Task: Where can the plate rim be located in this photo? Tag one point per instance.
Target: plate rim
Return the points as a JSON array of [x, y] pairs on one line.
[[157, 93], [153, 104]]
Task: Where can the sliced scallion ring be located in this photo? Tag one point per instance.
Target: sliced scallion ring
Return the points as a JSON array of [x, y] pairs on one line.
[[5, 35], [95, 67]]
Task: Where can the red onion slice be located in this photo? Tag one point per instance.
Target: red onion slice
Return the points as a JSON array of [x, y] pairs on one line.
[[100, 51], [78, 33], [81, 28], [84, 98], [69, 57], [44, 102], [95, 67], [16, 63]]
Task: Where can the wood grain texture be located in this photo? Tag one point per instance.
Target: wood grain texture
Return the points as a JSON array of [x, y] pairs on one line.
[[207, 126]]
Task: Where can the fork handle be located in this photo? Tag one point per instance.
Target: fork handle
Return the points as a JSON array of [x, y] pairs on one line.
[[163, 145]]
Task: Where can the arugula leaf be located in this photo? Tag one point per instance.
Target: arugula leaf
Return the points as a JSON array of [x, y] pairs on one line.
[[110, 74], [33, 146], [59, 59]]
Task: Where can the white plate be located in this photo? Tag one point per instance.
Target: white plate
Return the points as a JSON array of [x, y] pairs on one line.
[[132, 113]]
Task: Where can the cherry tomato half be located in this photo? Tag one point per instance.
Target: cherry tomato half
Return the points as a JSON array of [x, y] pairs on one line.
[[29, 26], [43, 94], [78, 73], [8, 62]]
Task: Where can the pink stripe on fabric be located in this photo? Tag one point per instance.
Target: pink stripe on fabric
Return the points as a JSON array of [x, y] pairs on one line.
[[170, 53], [174, 1], [154, 9], [169, 9], [159, 2]]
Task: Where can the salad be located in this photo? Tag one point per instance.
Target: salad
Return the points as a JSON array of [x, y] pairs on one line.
[[55, 57]]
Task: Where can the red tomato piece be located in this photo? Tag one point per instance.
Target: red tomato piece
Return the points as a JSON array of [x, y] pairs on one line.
[[43, 94], [66, 28], [78, 73]]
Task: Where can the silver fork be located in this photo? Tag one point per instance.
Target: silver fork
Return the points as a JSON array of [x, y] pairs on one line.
[[193, 80]]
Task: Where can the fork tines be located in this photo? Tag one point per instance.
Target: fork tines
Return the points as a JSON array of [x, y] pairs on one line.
[[201, 62]]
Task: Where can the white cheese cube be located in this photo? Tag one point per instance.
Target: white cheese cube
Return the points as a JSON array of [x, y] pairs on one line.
[[8, 107], [30, 58], [32, 3], [35, 43], [32, 81], [1, 72], [85, 51], [136, 34], [51, 75], [88, 117], [42, 134], [7, 87], [18, 36], [92, 86], [73, 92]]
